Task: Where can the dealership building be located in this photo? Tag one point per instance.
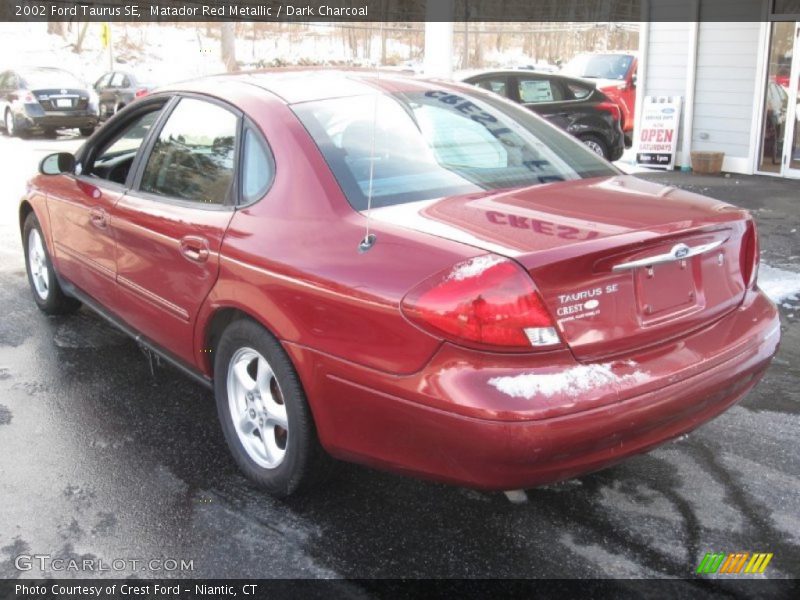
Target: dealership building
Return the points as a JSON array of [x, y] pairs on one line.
[[738, 81], [733, 63]]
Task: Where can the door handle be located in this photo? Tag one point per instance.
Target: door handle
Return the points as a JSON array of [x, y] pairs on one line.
[[194, 248], [98, 217]]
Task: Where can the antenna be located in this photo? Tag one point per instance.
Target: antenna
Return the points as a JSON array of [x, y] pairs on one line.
[[369, 238]]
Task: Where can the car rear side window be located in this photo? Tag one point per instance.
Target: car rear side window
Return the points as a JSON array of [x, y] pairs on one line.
[[193, 157], [498, 86], [579, 92], [258, 167]]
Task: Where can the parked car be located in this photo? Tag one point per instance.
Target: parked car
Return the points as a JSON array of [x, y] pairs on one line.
[[520, 311], [574, 105], [615, 75], [43, 99], [117, 89]]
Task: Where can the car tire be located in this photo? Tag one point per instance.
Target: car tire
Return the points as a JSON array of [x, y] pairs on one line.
[[47, 292], [86, 131], [263, 411], [596, 145], [8, 123], [50, 133]]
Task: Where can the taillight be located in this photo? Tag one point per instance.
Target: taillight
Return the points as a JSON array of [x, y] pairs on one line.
[[141, 92], [612, 108], [487, 302], [749, 256]]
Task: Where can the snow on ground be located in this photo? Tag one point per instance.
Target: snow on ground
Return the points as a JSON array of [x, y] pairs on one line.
[[780, 285]]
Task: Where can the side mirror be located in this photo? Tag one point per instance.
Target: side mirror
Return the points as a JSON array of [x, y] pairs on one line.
[[634, 79], [56, 164]]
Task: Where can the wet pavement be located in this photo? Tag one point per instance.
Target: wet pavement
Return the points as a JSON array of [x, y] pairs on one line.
[[105, 456]]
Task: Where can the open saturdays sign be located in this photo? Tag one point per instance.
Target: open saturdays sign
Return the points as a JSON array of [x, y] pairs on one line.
[[658, 135]]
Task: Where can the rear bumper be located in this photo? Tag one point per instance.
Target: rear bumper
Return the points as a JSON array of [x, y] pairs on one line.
[[449, 423], [53, 120]]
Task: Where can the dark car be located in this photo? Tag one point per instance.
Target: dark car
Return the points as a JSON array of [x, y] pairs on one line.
[[410, 274], [574, 105], [117, 89], [43, 99]]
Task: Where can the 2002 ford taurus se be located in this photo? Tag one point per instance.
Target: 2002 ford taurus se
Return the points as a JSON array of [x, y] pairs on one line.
[[413, 275]]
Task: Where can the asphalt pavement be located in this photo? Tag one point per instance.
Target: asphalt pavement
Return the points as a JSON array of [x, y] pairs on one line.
[[105, 456]]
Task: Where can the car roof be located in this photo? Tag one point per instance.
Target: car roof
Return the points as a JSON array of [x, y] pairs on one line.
[[294, 85]]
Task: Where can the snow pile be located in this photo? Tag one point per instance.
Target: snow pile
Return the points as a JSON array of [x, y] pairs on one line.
[[779, 284], [474, 267], [571, 382]]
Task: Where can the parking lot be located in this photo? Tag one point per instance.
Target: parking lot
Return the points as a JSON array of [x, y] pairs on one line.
[[104, 455]]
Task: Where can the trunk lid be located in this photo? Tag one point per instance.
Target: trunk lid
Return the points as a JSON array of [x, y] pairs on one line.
[[61, 99], [620, 263]]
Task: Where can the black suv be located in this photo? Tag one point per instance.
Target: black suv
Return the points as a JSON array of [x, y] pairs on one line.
[[574, 105]]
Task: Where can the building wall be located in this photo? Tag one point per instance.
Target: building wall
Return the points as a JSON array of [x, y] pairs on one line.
[[667, 61], [727, 84], [726, 89]]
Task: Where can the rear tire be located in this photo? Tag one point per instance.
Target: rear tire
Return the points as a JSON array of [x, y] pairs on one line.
[[47, 292], [86, 131], [263, 411], [8, 123], [596, 145]]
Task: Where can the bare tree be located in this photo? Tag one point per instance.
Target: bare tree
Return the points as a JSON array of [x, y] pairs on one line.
[[228, 46], [56, 27]]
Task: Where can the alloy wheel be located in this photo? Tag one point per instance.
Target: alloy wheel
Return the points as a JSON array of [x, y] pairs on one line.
[[594, 147], [257, 408], [37, 263]]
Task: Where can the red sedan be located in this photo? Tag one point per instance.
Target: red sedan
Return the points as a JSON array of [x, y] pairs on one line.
[[418, 276]]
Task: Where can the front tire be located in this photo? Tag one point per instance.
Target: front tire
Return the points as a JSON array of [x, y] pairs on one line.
[[86, 131], [263, 411], [596, 145], [47, 292]]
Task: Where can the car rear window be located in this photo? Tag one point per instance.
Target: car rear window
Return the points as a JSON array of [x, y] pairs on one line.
[[50, 78], [421, 145]]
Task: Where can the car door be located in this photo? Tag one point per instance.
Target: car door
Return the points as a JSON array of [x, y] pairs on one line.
[[171, 224], [105, 94], [4, 77], [545, 96], [117, 82], [81, 205]]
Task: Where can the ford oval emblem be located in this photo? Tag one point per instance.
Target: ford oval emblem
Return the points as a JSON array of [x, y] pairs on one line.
[[667, 111], [63, 92], [680, 251]]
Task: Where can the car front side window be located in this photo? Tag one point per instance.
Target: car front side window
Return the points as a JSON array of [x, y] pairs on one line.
[[114, 159], [193, 156]]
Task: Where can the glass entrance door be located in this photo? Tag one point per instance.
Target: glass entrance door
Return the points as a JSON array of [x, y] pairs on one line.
[[791, 143], [780, 132]]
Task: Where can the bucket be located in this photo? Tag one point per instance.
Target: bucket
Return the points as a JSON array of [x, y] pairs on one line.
[[707, 163]]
